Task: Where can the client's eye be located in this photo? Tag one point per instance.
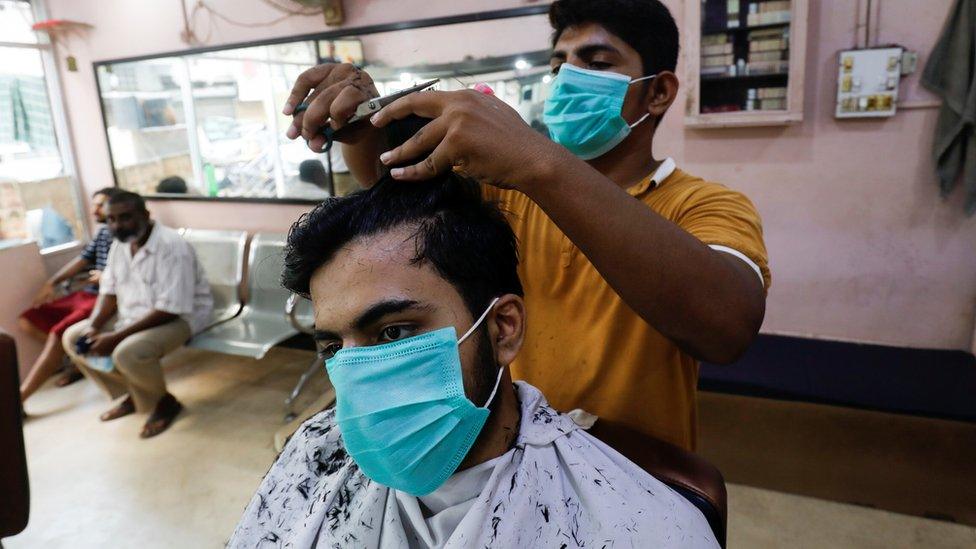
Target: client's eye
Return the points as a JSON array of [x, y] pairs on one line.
[[393, 333]]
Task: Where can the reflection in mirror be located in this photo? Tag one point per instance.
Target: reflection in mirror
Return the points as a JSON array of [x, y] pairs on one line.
[[210, 124]]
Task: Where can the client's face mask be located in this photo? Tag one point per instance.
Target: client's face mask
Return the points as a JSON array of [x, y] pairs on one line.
[[583, 110], [402, 410]]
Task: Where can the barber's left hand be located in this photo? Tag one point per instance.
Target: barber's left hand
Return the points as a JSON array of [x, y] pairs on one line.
[[476, 135], [102, 344]]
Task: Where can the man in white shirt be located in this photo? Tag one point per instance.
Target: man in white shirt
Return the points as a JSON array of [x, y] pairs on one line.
[[157, 292], [430, 443]]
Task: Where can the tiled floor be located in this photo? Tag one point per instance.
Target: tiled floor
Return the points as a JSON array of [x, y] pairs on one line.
[[98, 485]]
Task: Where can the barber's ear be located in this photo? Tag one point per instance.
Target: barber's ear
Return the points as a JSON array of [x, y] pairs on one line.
[[662, 93], [507, 328]]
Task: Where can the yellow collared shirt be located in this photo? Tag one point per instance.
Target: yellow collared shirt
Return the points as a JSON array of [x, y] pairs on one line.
[[584, 347]]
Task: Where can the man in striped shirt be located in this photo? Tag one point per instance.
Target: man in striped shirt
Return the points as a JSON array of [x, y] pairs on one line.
[[50, 316]]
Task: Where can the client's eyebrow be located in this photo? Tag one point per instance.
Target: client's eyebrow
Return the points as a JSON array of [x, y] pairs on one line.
[[373, 314], [586, 51], [378, 310]]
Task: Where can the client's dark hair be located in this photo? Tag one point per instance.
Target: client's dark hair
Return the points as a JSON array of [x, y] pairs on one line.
[[128, 197], [465, 238], [645, 25]]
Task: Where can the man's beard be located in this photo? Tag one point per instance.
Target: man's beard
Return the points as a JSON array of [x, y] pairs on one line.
[[485, 368], [124, 236]]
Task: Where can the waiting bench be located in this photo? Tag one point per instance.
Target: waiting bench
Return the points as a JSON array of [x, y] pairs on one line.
[[252, 311]]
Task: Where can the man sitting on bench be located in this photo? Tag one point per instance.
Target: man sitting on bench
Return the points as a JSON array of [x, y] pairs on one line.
[[160, 292], [418, 312]]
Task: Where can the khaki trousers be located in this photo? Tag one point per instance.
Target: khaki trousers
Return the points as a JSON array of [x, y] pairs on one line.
[[138, 371]]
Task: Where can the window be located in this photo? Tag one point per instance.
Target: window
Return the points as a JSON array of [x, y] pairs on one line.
[[38, 198]]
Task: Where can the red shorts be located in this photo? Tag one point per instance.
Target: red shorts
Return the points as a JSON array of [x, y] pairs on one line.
[[56, 316]]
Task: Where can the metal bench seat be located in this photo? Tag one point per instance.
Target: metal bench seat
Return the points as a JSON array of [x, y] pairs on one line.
[[262, 322], [222, 255]]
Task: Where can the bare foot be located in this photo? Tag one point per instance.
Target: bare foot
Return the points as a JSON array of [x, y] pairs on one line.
[[162, 417], [124, 408]]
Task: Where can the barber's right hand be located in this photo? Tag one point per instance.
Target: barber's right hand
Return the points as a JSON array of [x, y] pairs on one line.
[[333, 91], [44, 295]]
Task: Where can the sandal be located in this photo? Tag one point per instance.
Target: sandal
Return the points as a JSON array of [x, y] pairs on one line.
[[162, 416], [124, 408]]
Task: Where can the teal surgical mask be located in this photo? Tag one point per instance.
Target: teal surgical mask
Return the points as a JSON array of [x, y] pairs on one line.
[[583, 110], [402, 410]]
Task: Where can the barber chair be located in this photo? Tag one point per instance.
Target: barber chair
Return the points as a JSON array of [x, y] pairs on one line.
[[684, 472], [14, 489]]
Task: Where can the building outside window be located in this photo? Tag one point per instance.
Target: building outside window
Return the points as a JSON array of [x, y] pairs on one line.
[[39, 198]]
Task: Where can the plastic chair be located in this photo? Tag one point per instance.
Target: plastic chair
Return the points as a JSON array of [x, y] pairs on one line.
[[687, 473], [222, 255], [14, 486], [262, 322]]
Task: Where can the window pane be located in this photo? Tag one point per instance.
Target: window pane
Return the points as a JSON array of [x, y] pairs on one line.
[[146, 121], [745, 52], [237, 97], [15, 22], [28, 146], [36, 200]]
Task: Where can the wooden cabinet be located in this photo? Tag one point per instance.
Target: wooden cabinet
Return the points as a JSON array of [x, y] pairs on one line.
[[745, 62]]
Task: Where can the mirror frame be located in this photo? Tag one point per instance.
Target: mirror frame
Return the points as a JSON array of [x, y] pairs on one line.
[[510, 13]]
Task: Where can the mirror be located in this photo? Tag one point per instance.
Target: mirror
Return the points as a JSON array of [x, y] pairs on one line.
[[208, 124]]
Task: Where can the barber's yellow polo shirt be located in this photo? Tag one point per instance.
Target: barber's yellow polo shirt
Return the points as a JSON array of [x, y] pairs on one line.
[[584, 348]]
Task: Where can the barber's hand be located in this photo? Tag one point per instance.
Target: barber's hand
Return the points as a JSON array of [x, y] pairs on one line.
[[94, 276], [104, 343], [333, 92], [44, 295], [476, 135]]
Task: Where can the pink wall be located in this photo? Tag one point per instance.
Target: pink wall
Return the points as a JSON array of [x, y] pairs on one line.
[[861, 246], [23, 273]]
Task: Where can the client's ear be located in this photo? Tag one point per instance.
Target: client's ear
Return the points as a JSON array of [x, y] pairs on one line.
[[506, 324]]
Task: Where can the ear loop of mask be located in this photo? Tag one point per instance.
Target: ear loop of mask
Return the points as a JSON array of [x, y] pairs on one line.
[[470, 331], [643, 118]]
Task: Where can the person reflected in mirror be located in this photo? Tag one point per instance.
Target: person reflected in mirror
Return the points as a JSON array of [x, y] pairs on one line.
[[153, 296], [657, 268], [418, 315], [50, 315], [172, 185]]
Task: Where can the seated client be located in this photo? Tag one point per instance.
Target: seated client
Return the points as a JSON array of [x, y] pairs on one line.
[[153, 296], [418, 311]]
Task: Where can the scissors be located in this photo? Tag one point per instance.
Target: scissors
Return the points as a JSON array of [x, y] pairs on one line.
[[364, 110]]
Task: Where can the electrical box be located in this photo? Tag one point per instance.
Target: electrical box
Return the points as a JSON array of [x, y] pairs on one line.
[[867, 82]]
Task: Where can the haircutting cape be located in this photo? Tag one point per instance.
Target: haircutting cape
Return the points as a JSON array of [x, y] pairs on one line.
[[558, 487]]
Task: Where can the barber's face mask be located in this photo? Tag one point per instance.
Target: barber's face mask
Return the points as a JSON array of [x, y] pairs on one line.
[[583, 110], [402, 411]]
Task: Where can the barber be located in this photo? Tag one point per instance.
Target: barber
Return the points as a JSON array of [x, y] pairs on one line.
[[634, 269]]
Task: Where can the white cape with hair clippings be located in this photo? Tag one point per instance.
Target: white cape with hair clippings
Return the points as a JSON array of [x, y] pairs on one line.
[[559, 487]]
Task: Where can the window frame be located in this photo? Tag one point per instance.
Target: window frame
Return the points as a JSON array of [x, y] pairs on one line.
[[62, 134]]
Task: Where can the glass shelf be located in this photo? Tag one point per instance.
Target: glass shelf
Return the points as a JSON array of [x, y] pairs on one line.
[[719, 59]]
